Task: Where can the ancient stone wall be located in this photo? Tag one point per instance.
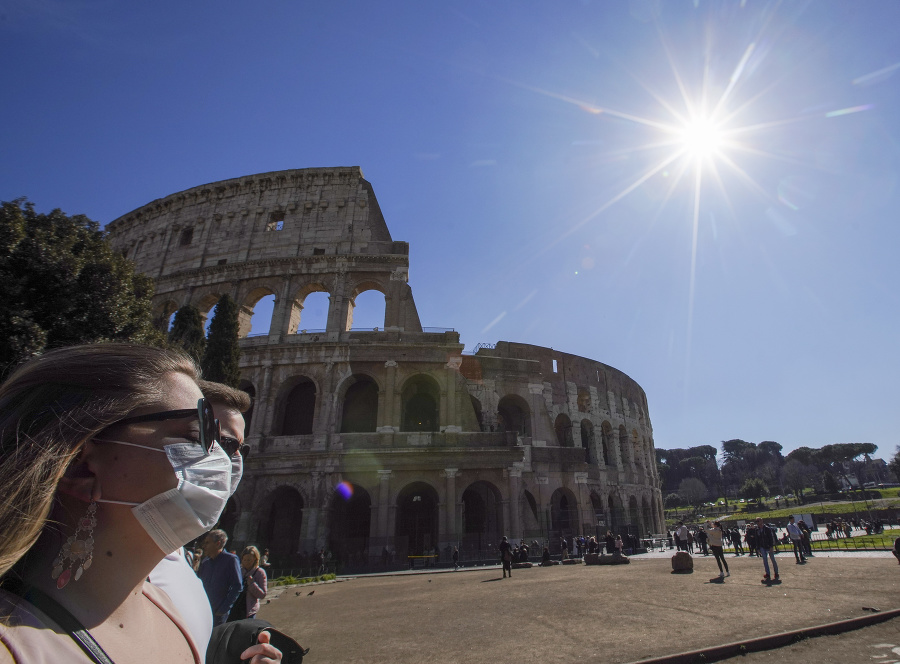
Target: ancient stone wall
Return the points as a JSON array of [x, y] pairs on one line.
[[388, 439]]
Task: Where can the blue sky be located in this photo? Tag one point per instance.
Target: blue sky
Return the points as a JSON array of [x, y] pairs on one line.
[[533, 154]]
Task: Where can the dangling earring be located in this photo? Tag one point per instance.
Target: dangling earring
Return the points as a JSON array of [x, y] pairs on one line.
[[79, 551]]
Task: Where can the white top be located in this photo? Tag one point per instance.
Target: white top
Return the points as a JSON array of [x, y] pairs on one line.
[[179, 581]]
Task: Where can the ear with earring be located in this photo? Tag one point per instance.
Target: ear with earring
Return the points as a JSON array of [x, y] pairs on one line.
[[78, 551]]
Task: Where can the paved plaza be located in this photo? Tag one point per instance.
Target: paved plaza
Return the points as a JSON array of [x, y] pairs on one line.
[[586, 613]]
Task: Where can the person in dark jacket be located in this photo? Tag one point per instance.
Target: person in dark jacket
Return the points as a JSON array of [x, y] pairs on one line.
[[221, 575], [610, 542], [765, 542], [506, 557]]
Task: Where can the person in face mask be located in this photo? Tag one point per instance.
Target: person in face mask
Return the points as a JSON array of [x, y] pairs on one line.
[[108, 457], [174, 573]]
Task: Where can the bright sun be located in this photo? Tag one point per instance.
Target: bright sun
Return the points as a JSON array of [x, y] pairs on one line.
[[701, 138]]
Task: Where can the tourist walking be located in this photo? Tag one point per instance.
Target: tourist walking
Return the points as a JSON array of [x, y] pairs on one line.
[[221, 575], [796, 540], [506, 557], [765, 542], [256, 584], [716, 540]]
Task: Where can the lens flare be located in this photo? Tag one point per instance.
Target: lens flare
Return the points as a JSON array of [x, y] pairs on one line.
[[702, 138], [344, 490]]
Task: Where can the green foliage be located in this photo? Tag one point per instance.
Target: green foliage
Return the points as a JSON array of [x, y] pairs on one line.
[[187, 332], [754, 488], [294, 581], [894, 464], [830, 483], [223, 354], [62, 284], [672, 500], [692, 491]]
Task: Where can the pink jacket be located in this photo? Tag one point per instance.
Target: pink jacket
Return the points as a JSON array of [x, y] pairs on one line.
[[257, 587]]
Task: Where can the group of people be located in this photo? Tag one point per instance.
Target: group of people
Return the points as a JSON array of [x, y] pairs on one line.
[[113, 457]]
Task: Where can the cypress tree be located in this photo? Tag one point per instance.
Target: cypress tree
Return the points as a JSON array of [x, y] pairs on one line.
[[187, 332], [223, 354]]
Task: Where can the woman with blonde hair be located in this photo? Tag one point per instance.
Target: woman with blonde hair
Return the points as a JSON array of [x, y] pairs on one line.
[[255, 580], [109, 459]]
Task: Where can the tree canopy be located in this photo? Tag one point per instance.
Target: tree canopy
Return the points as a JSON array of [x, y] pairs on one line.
[[61, 283], [223, 354]]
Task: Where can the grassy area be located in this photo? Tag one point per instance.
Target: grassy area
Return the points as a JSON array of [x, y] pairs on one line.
[[293, 580]]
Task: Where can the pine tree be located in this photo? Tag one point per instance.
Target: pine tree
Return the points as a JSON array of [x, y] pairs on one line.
[[187, 332], [223, 354]]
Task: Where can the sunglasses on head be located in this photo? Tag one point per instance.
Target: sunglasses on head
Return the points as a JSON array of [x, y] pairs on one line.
[[209, 426]]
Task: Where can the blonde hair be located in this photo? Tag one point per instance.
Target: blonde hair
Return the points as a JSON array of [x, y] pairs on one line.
[[49, 407], [251, 551]]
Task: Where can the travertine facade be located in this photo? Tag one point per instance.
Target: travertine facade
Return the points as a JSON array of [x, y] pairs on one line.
[[389, 437]]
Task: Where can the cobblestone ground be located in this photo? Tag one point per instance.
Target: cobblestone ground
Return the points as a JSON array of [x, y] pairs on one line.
[[597, 613]]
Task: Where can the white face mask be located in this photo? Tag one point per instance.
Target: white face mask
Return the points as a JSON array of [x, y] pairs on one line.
[[177, 516]]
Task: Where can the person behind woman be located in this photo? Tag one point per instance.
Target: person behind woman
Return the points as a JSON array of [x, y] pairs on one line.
[[715, 536], [255, 580], [619, 545], [101, 448]]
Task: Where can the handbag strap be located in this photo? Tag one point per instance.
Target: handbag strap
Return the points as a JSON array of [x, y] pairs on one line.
[[61, 617]]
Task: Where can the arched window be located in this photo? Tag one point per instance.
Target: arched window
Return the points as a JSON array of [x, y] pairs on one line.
[[587, 442], [513, 414], [623, 446], [255, 313], [366, 311], [360, 412], [563, 428], [420, 398], [312, 315], [299, 409]]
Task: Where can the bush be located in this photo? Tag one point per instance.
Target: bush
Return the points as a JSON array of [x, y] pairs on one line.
[[293, 581]]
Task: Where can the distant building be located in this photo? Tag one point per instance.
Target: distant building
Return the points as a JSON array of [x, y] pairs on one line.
[[390, 437]]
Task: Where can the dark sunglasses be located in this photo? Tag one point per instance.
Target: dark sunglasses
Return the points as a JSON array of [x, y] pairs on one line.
[[209, 425]]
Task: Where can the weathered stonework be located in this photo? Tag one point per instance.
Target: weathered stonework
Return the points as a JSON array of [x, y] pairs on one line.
[[366, 440]]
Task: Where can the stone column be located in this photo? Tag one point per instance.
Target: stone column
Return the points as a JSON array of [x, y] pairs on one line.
[[515, 478], [386, 421], [311, 519], [583, 500], [450, 529], [384, 496], [261, 425], [450, 420]]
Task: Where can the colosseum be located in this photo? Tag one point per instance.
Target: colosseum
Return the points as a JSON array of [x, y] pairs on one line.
[[392, 439]]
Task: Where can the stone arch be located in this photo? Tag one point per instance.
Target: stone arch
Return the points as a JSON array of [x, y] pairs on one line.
[[587, 441], [205, 304], [513, 414], [417, 519], [246, 306], [249, 388], [606, 437], [370, 311], [359, 404], [420, 399], [296, 407], [349, 523], [623, 446], [482, 516], [563, 513], [314, 299], [563, 428], [281, 520]]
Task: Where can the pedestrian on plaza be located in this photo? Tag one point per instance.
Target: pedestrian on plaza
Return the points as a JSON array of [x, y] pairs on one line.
[[255, 585], [751, 537], [735, 537], [545, 557], [610, 542], [703, 541], [796, 540], [681, 533], [506, 557], [766, 540], [806, 538], [619, 545], [716, 540], [221, 575], [455, 558]]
